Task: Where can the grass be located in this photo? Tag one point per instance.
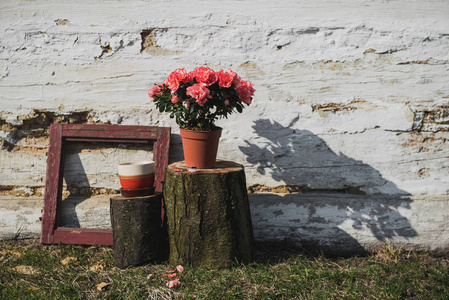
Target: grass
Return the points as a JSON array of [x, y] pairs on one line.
[[29, 270]]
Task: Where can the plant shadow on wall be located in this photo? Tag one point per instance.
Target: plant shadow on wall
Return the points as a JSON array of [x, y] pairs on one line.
[[331, 194]]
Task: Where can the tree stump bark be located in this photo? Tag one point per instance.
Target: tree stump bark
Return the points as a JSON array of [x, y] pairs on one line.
[[208, 216], [136, 229]]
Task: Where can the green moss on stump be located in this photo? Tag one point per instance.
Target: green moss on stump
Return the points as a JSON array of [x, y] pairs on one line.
[[209, 222], [136, 224]]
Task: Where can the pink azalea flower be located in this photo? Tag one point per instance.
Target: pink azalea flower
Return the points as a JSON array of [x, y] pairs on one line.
[[174, 99], [225, 79], [190, 76], [200, 92], [205, 75], [237, 81], [179, 74], [154, 91], [172, 82], [245, 91]]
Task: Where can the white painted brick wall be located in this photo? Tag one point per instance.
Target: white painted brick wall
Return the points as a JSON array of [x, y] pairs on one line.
[[349, 96]]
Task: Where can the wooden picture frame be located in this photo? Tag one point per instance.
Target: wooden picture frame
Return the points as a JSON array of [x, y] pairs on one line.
[[62, 133]]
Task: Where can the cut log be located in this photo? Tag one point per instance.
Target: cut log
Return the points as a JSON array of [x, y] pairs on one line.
[[208, 216], [136, 230]]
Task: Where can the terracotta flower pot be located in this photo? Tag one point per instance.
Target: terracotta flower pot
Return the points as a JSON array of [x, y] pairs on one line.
[[200, 147]]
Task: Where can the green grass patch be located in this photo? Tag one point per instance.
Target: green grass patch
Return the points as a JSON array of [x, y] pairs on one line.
[[29, 270]]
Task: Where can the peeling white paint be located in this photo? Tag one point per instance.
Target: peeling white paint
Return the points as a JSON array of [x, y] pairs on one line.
[[348, 96]]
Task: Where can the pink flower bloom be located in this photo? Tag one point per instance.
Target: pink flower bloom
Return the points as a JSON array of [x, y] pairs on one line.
[[190, 76], [154, 91], [174, 99], [186, 104], [237, 81], [172, 283], [179, 74], [225, 79], [245, 91], [179, 268], [205, 75], [200, 92], [175, 78], [172, 82]]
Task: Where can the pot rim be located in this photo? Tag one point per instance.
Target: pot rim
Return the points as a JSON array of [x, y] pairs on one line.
[[193, 130], [200, 135]]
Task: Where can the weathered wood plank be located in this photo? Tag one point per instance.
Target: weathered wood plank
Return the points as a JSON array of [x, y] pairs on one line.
[[110, 128], [109, 140], [53, 184], [101, 135], [83, 236], [161, 155]]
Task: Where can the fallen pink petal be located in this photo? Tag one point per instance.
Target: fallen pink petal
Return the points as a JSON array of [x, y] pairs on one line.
[[171, 275], [170, 271], [179, 268], [172, 283], [149, 276]]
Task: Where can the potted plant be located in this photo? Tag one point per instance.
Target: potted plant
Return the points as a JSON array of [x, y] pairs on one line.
[[197, 99]]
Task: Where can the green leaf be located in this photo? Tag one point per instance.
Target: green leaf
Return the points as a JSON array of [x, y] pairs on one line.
[[239, 108], [193, 115], [223, 95]]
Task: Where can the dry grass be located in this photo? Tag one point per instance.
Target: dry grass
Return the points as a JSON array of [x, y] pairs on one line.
[[29, 270]]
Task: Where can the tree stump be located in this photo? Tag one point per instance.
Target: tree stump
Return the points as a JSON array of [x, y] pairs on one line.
[[208, 216], [136, 229]]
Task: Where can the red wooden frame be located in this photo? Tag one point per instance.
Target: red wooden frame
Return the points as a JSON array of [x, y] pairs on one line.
[[61, 133]]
